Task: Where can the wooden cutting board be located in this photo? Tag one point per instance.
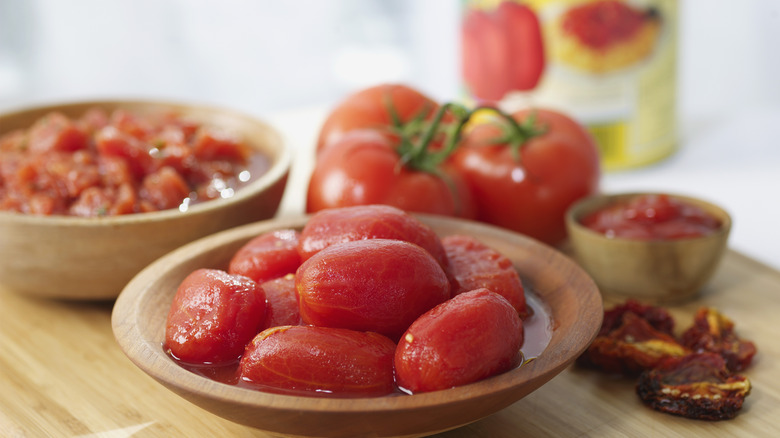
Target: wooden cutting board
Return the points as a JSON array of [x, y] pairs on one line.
[[61, 374]]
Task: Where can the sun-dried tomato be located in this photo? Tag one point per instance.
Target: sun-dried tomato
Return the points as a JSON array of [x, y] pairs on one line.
[[658, 317], [714, 332], [695, 386], [631, 347]]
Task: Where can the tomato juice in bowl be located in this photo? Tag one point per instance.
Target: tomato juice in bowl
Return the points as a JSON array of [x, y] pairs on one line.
[[657, 247], [72, 257]]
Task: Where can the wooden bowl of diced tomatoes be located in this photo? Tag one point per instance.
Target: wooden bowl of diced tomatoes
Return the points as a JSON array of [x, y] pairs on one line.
[[91, 192], [357, 321]]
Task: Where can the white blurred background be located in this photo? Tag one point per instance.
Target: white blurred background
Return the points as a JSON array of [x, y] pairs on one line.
[[289, 61]]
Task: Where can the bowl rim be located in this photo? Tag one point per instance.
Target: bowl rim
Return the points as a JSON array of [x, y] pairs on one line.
[[280, 163], [147, 355], [590, 204]]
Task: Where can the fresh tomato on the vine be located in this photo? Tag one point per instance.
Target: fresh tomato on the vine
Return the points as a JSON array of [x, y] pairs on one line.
[[382, 107], [525, 175], [404, 170]]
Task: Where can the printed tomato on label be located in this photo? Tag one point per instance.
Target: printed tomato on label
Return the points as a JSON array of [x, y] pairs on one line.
[[526, 171], [472, 336], [503, 50], [320, 360], [213, 316], [378, 285]]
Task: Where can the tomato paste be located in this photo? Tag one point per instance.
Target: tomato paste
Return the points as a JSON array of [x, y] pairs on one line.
[[107, 164], [652, 217]]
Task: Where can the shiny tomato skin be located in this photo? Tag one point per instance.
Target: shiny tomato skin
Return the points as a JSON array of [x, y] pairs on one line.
[[213, 316], [270, 255], [474, 265], [281, 302], [474, 335], [368, 109], [531, 195], [364, 168], [338, 225], [319, 360], [378, 285]]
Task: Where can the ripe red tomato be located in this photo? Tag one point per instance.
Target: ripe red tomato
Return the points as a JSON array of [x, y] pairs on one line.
[[338, 225], [378, 285], [320, 361], [213, 316], [365, 167], [472, 336], [474, 265], [503, 50], [371, 109], [529, 190], [267, 256]]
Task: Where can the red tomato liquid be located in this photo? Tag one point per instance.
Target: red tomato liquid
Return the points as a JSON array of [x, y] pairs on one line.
[[538, 328], [652, 217]]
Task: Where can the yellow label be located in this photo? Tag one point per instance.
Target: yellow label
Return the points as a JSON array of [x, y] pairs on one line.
[[620, 84]]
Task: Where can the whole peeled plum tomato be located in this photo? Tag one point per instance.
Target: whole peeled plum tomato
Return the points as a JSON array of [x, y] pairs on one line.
[[474, 265], [468, 338], [213, 316], [338, 225], [525, 172], [374, 108], [378, 285], [268, 256], [281, 302], [320, 360]]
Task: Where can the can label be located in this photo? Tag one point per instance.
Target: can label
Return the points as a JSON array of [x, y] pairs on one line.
[[611, 64]]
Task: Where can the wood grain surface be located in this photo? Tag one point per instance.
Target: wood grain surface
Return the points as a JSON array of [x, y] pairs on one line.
[[62, 375]]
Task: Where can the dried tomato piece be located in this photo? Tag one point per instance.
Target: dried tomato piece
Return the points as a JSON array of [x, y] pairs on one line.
[[631, 347], [658, 317], [714, 332], [695, 386]]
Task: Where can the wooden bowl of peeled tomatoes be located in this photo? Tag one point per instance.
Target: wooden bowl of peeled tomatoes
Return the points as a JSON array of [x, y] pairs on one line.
[[357, 321]]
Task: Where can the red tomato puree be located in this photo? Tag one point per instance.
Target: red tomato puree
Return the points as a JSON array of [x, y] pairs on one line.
[[648, 217], [107, 164]]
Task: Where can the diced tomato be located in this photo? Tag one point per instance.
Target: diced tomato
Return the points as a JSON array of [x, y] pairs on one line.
[[112, 142], [165, 188], [56, 132], [213, 144]]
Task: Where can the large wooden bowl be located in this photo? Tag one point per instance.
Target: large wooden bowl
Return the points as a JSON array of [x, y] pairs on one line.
[[94, 258], [658, 271], [571, 297]]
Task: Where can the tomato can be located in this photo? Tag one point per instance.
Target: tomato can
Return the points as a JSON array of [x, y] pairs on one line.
[[611, 64]]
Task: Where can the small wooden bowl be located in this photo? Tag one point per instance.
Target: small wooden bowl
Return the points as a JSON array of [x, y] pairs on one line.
[[659, 271], [94, 258], [572, 298]]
